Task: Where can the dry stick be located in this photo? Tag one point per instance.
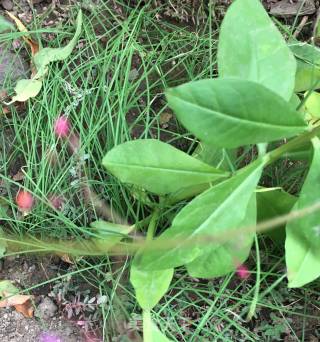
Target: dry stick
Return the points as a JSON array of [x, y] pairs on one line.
[[232, 233], [300, 26], [90, 248]]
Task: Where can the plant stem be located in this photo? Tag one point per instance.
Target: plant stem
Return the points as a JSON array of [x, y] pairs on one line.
[[147, 322], [292, 144], [254, 302], [147, 326], [152, 225]]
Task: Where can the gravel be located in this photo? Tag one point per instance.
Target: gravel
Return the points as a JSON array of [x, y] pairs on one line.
[[14, 327]]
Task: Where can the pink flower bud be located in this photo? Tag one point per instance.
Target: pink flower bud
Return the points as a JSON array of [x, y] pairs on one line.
[[62, 127], [24, 200], [243, 272]]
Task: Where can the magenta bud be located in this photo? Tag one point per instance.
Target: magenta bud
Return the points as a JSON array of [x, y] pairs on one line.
[[243, 272], [24, 201], [62, 127]]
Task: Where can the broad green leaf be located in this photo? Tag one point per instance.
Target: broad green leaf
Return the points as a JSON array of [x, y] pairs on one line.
[[226, 257], [231, 113], [157, 166], [150, 286], [271, 204], [312, 104], [5, 25], [204, 223], [307, 77], [187, 193], [295, 101], [252, 48], [108, 234], [303, 234], [26, 89], [47, 55]]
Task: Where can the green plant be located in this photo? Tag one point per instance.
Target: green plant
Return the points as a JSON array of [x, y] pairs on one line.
[[251, 102]]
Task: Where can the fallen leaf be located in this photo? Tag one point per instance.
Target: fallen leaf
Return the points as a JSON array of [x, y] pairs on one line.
[[25, 89], [34, 46], [22, 303], [18, 22], [47, 55], [26, 309]]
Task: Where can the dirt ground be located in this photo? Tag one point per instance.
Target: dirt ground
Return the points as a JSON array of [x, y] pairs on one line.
[[26, 272]]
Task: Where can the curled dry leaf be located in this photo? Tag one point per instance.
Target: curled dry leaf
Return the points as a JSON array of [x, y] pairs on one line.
[[34, 46], [26, 89]]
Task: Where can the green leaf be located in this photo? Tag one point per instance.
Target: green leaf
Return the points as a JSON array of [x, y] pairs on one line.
[[5, 25], [3, 244], [306, 52], [295, 101], [47, 55], [157, 335], [307, 77], [303, 233], [109, 234], [271, 204], [158, 167], [225, 258], [151, 333], [150, 286], [216, 156], [6, 286], [312, 104], [203, 223], [26, 89], [252, 48], [232, 113]]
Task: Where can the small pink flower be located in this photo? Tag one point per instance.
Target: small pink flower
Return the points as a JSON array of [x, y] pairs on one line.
[[24, 200], [56, 201], [243, 272], [62, 127], [49, 337]]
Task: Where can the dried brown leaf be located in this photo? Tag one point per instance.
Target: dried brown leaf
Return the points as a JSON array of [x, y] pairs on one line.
[[34, 46]]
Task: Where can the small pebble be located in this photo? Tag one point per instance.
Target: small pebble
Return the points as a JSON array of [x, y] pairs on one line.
[[47, 309], [7, 4]]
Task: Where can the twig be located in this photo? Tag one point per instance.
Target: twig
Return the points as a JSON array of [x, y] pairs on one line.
[[300, 26]]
